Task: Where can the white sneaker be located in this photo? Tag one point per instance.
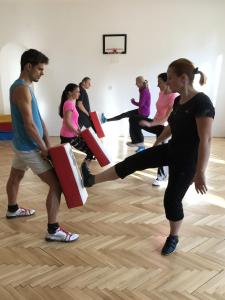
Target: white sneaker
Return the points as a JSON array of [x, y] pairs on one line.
[[130, 144], [61, 235], [156, 182], [20, 212]]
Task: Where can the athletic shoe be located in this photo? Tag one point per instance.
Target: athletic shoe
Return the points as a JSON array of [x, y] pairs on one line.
[[158, 182], [139, 149], [103, 119], [61, 235], [130, 144], [20, 212], [170, 245], [88, 178]]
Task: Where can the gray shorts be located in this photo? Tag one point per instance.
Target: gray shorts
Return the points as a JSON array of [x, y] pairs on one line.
[[23, 160]]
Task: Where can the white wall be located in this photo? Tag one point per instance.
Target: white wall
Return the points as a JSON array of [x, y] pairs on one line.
[[70, 33], [10, 69]]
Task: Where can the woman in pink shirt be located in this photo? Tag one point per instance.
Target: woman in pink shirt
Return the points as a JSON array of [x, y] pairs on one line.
[[164, 106], [70, 131]]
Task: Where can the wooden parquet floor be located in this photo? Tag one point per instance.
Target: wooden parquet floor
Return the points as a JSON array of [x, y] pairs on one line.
[[122, 229]]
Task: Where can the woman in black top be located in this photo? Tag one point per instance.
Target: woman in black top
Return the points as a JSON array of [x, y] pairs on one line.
[[83, 105], [186, 154]]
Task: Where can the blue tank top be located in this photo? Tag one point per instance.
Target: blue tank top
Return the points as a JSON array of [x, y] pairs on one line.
[[21, 140]]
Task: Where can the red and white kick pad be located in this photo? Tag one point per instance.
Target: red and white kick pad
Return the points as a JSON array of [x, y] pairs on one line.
[[96, 146], [69, 176], [97, 124]]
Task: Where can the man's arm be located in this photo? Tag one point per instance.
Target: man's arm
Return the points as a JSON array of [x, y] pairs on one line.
[[22, 98], [46, 136], [82, 108]]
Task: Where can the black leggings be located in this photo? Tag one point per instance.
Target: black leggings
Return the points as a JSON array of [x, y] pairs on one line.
[[127, 114], [135, 129], [137, 137], [79, 144], [181, 174]]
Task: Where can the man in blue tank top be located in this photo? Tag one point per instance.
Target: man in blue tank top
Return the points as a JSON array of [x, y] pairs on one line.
[[30, 144]]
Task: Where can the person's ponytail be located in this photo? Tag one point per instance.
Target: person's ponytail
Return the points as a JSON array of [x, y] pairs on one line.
[[145, 83], [203, 78], [63, 100]]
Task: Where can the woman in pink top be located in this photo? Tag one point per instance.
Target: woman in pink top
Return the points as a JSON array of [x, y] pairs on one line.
[[164, 106], [70, 131]]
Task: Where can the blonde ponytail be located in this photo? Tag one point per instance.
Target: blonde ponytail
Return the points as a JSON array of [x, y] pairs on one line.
[[203, 78]]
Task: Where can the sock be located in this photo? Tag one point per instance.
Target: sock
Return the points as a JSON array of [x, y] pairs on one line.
[[13, 208], [52, 227]]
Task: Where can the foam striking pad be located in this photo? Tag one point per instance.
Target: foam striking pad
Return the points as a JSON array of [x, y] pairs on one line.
[[96, 146], [69, 176], [97, 124]]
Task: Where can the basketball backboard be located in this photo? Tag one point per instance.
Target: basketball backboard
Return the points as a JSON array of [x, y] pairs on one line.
[[114, 43]]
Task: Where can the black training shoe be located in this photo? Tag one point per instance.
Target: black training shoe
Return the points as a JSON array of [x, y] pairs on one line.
[[88, 178], [170, 245]]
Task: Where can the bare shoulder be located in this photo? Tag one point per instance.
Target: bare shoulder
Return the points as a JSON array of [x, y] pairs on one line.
[[21, 93]]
